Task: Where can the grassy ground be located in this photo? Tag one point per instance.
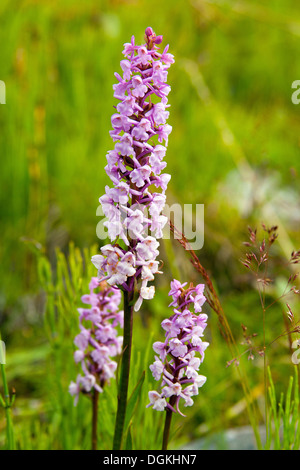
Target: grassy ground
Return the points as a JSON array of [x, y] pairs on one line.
[[234, 148]]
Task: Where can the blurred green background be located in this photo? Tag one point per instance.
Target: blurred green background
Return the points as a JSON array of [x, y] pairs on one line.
[[234, 148]]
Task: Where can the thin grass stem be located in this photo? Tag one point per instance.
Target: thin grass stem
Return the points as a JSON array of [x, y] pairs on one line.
[[7, 402]]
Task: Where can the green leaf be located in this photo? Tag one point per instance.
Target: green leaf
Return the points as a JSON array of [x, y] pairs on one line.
[[128, 443], [131, 404]]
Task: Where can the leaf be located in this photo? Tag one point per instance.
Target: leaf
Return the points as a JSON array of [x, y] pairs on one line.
[[128, 444], [44, 273], [131, 403]]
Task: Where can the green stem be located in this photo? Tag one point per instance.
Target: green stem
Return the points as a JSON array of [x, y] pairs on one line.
[[167, 427], [172, 402], [7, 406], [125, 369], [95, 419]]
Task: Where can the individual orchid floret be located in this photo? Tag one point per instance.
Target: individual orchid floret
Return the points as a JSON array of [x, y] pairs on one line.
[[135, 165], [115, 265], [179, 357], [98, 340], [158, 402]]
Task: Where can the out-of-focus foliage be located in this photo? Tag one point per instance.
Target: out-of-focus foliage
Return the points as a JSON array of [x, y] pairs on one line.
[[234, 147]]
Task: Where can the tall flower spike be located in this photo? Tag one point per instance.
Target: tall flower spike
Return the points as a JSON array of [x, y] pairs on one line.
[[140, 132], [179, 357], [98, 340]]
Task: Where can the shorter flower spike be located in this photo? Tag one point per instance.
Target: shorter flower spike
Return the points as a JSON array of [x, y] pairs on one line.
[[179, 357], [98, 340]]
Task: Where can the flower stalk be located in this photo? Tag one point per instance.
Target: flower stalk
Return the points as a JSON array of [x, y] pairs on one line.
[[133, 210], [167, 425], [95, 400], [177, 361], [125, 370]]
